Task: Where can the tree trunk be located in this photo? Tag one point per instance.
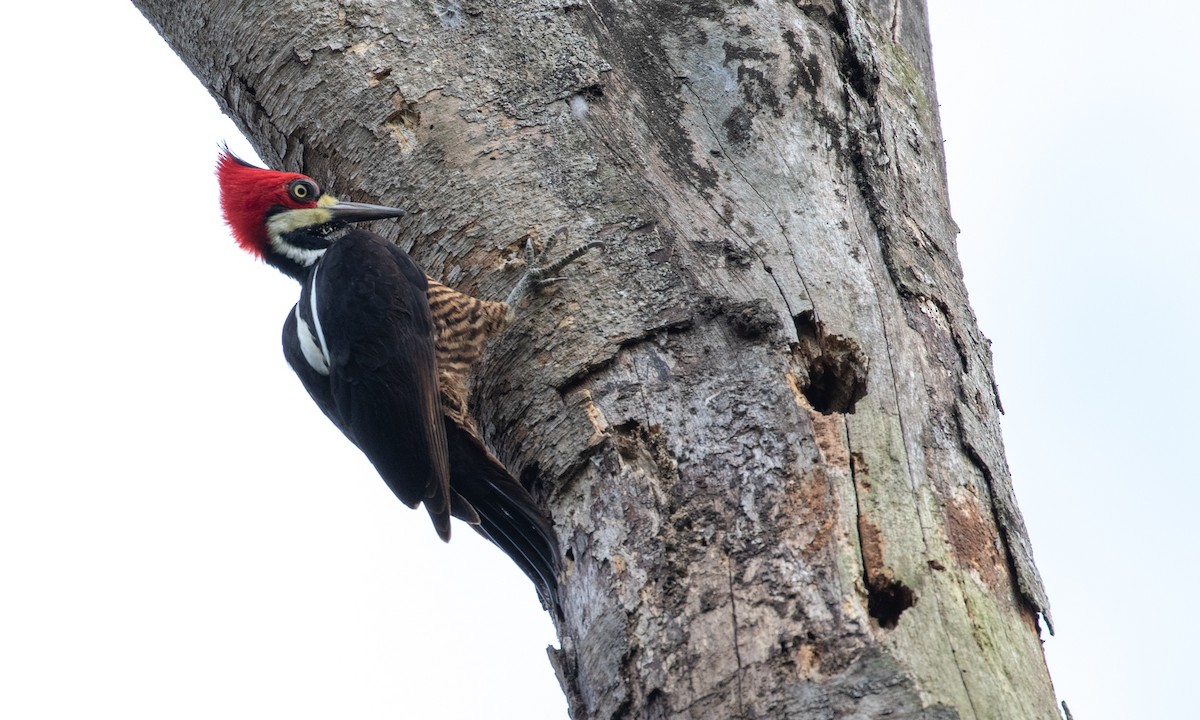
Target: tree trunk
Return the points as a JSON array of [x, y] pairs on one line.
[[763, 420]]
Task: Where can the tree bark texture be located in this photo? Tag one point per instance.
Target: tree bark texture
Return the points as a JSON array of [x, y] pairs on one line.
[[763, 419]]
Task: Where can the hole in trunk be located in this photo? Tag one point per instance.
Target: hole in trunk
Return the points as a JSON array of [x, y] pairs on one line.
[[831, 368], [887, 600]]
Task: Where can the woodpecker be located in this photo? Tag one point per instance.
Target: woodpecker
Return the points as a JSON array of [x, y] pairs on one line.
[[386, 353]]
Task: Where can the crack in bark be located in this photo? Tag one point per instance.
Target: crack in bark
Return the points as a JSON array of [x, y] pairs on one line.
[[641, 388], [858, 511], [737, 653], [720, 216], [882, 589], [700, 193], [863, 78], [960, 345], [862, 556], [978, 461], [782, 229], [599, 18], [579, 378]]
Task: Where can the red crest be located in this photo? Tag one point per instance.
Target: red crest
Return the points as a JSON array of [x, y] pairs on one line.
[[248, 192]]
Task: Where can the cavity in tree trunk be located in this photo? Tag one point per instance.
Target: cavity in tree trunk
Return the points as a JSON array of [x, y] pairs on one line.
[[764, 420]]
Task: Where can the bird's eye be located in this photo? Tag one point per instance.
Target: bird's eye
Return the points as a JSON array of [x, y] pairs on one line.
[[303, 190]]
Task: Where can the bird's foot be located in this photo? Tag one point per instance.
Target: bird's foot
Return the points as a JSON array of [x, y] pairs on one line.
[[538, 272]]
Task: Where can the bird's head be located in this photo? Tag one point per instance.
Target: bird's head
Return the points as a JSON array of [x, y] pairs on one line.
[[284, 217]]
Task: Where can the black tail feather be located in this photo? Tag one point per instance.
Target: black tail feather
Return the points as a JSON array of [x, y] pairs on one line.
[[502, 511], [513, 536]]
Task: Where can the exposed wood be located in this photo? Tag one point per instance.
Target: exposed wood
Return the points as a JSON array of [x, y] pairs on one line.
[[764, 420]]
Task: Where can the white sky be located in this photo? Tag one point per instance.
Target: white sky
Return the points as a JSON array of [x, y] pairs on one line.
[[168, 548]]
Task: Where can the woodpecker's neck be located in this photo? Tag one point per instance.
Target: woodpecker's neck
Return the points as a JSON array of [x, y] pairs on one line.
[[295, 249]]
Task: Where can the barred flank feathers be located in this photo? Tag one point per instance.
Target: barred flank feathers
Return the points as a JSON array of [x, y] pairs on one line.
[[463, 325]]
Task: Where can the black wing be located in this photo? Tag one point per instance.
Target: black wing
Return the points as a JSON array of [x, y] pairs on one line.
[[365, 310]]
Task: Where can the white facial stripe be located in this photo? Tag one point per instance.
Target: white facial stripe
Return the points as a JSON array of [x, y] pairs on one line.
[[316, 359], [312, 302], [288, 221], [303, 256]]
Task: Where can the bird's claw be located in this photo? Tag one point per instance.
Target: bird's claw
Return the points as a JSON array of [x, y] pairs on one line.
[[539, 274]]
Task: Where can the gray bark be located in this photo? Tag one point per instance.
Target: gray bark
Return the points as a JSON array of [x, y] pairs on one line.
[[764, 420]]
